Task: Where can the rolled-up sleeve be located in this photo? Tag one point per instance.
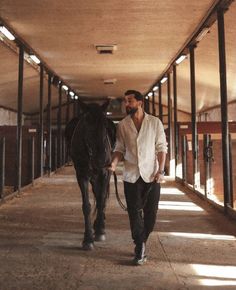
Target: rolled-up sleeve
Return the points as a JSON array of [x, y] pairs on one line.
[[120, 144], [161, 144]]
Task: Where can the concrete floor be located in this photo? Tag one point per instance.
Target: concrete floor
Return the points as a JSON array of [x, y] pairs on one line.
[[193, 246]]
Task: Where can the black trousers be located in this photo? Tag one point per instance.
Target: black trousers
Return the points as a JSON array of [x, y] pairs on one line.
[[142, 204]]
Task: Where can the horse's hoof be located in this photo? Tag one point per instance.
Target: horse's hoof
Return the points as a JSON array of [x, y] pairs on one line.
[[87, 246], [100, 237]]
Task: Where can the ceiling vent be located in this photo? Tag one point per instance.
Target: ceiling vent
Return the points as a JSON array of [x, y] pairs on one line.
[[109, 81], [106, 49]]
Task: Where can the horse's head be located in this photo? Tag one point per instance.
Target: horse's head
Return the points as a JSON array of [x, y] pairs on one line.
[[96, 134]]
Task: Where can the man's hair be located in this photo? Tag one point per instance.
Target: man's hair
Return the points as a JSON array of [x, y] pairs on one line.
[[138, 96]]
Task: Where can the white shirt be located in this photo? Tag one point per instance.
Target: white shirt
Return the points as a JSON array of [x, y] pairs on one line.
[[140, 148]]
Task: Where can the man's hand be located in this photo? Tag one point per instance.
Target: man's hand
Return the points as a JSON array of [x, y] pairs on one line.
[[159, 177], [116, 157], [112, 167]]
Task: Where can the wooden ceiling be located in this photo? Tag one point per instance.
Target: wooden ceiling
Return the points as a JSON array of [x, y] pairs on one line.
[[148, 35]]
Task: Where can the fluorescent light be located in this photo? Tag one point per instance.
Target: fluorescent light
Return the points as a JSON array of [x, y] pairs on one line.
[[150, 94], [65, 87], [7, 33], [109, 113], [181, 58], [202, 33], [34, 58], [164, 80], [72, 94], [155, 88]]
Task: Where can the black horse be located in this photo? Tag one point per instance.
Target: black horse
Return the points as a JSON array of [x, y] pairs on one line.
[[90, 139]]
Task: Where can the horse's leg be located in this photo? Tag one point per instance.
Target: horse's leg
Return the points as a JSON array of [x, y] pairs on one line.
[[86, 207], [100, 189]]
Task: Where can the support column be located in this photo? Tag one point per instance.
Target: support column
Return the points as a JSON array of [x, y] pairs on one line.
[[194, 123], [19, 116], [49, 127], [170, 140], [153, 104], [41, 135], [224, 111], [59, 164], [160, 102], [176, 135]]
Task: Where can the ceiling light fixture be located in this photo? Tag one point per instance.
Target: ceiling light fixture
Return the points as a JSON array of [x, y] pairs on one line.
[[106, 49], [150, 94], [7, 33], [147, 97], [109, 81], [164, 80], [155, 88], [65, 87], [202, 33], [34, 58], [181, 58]]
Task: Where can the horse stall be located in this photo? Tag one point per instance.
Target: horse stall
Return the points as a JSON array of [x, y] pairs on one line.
[[30, 156], [209, 176]]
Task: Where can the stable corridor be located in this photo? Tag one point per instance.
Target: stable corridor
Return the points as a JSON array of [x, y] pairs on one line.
[[41, 230]]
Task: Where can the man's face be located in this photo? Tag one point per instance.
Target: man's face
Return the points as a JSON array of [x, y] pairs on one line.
[[131, 104]]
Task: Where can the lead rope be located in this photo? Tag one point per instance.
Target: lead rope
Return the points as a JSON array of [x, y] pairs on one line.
[[117, 194]]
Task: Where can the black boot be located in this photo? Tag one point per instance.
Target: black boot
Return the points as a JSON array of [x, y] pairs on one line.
[[140, 257]]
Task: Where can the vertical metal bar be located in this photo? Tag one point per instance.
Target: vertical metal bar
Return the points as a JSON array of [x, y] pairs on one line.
[[49, 133], [74, 108], [67, 120], [19, 116], [184, 158], [170, 140], [59, 164], [224, 109], [32, 159], [41, 155], [67, 109], [153, 104], [160, 102], [231, 172], [2, 166], [193, 114], [176, 135], [55, 153]]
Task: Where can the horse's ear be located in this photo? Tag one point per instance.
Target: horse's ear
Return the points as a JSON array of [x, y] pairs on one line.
[[82, 106], [105, 105]]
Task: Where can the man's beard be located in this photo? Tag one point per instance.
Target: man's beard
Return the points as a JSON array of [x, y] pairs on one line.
[[131, 111]]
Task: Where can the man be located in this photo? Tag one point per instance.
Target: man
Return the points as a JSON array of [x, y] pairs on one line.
[[141, 143]]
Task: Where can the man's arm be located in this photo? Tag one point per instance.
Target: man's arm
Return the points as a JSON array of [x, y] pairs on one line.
[[161, 157], [116, 157]]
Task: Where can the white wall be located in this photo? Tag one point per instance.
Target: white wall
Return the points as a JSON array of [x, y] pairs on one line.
[[7, 117], [215, 114]]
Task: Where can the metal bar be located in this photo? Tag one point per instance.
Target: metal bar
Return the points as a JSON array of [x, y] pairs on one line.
[[224, 109], [59, 163], [193, 115], [49, 131], [55, 153], [160, 102], [170, 140], [41, 155], [19, 117], [153, 104], [231, 172], [184, 158], [2, 166], [176, 135], [32, 159], [67, 109]]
